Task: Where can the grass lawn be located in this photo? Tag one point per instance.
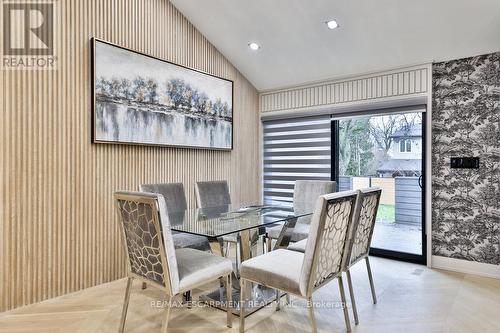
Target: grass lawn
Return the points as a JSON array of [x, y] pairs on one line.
[[386, 213]]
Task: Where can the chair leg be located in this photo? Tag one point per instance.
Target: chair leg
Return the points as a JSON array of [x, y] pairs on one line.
[[269, 242], [187, 298], [164, 325], [238, 255], [125, 304], [344, 304], [310, 306], [278, 300], [351, 294], [370, 277], [242, 305], [229, 301]]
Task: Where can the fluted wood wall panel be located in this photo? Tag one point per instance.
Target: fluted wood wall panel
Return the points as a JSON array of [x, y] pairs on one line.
[[58, 226], [387, 85]]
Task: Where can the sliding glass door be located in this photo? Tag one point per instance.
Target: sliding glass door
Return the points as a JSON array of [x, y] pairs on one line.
[[382, 150], [387, 151]]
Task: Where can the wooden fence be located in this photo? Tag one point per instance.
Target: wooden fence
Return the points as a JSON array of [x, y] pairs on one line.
[[408, 200], [403, 192]]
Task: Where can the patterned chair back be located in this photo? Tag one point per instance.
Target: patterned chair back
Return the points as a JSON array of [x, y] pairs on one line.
[[330, 225], [148, 239], [212, 194], [361, 237]]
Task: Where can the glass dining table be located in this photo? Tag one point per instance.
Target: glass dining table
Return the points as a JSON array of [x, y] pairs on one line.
[[244, 225]]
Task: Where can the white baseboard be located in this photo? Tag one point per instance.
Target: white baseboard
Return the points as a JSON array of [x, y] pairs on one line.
[[464, 266]]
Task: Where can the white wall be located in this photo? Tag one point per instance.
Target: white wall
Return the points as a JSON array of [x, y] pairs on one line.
[[415, 154]]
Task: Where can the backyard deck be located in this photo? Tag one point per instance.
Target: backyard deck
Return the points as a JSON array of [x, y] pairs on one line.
[[398, 237]]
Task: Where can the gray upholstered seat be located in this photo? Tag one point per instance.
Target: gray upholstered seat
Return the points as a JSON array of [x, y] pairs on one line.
[[324, 258], [152, 255], [305, 193], [175, 201], [277, 268], [298, 246], [185, 240], [196, 267], [300, 232]]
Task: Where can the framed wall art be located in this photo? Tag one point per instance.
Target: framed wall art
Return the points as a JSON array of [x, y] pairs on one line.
[[140, 99]]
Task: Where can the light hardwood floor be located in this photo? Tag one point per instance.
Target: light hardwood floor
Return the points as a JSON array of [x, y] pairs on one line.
[[411, 298]]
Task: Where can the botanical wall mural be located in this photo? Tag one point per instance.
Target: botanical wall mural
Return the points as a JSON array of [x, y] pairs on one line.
[[466, 122]]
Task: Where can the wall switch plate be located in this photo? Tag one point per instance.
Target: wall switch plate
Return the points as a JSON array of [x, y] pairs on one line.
[[464, 162]]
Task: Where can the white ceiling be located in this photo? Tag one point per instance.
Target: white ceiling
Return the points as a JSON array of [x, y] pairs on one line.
[[297, 47]]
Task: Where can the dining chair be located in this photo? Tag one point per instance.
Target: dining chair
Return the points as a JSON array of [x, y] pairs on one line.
[[359, 240], [301, 274], [212, 193], [215, 194], [362, 238], [175, 201], [153, 259], [305, 193]]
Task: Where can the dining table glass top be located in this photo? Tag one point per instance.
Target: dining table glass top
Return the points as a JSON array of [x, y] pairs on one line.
[[229, 219]]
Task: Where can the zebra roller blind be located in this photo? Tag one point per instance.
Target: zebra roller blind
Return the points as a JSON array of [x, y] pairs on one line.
[[297, 148]]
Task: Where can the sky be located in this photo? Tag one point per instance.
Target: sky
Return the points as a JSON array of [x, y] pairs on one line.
[[115, 62]]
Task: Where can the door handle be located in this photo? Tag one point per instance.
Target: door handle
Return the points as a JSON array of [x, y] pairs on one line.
[[420, 181]]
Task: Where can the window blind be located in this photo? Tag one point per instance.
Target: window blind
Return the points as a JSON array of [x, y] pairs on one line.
[[294, 148]]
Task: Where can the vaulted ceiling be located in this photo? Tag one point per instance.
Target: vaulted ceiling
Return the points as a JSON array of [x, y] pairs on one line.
[[297, 47]]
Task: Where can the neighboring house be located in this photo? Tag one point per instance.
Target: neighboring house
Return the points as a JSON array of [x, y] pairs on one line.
[[405, 154]]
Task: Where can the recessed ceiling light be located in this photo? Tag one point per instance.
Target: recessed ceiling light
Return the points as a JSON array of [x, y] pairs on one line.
[[253, 46], [332, 24]]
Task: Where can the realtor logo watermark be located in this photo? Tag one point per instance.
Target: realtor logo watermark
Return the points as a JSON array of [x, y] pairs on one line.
[[28, 35]]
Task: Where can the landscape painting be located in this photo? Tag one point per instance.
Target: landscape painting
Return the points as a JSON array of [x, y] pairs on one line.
[[139, 99]]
